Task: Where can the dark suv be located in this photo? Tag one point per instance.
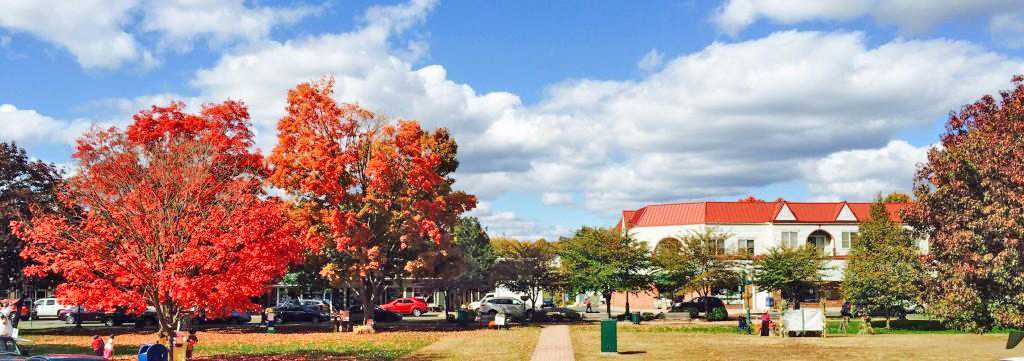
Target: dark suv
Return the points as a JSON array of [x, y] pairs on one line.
[[700, 305]]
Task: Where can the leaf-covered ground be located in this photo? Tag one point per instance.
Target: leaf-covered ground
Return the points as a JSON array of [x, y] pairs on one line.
[[240, 345]]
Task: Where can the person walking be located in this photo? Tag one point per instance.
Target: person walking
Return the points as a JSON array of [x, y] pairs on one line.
[[97, 345], [847, 313], [190, 343], [766, 323], [108, 349], [586, 301]]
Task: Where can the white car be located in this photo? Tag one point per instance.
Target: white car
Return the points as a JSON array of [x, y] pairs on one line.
[[513, 307], [47, 307], [475, 305]]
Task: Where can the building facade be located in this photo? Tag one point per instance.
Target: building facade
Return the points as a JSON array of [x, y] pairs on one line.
[[756, 227]]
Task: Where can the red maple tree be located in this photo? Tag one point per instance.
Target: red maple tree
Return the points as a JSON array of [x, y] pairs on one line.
[[174, 216], [376, 195]]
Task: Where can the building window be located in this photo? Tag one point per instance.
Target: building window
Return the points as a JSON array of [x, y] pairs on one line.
[[848, 239], [789, 239], [746, 246], [720, 246]]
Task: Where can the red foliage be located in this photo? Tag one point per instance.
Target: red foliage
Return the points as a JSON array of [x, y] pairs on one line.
[[377, 192], [750, 199], [969, 195], [175, 217]]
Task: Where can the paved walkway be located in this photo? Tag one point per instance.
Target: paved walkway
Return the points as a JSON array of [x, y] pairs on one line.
[[553, 344]]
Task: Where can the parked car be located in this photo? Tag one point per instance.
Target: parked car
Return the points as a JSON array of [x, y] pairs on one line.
[[47, 307], [84, 314], [475, 305], [379, 314], [293, 313], [237, 317], [511, 306], [701, 305], [310, 302], [406, 306], [10, 350], [119, 317]]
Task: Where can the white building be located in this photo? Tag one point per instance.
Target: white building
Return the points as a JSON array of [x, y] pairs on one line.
[[756, 227]]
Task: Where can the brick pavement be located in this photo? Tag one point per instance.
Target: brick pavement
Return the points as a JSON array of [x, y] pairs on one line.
[[553, 344]]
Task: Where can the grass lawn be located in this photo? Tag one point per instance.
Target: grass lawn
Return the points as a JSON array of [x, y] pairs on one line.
[[249, 344], [504, 345], [719, 342]]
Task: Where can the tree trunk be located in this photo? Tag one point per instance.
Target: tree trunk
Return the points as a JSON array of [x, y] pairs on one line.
[[447, 304], [366, 297], [608, 303], [888, 314], [627, 302]]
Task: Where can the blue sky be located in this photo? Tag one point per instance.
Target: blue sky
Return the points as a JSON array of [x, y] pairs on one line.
[[566, 112]]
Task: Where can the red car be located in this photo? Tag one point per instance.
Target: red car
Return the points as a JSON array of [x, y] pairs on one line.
[[410, 305]]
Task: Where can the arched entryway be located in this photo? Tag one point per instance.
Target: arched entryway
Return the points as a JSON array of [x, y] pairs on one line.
[[821, 241]]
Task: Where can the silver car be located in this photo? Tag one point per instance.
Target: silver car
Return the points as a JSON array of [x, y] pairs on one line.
[[513, 307]]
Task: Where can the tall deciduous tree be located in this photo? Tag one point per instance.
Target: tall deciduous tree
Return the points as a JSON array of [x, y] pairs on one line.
[[469, 263], [666, 273], [471, 238], [25, 186], [883, 268], [970, 201], [605, 261], [175, 217], [705, 261], [376, 195], [790, 270], [528, 267]]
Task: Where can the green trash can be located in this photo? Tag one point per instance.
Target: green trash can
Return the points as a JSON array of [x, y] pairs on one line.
[[462, 317], [609, 338], [635, 317]]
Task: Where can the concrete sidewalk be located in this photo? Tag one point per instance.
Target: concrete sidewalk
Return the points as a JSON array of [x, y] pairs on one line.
[[553, 344]]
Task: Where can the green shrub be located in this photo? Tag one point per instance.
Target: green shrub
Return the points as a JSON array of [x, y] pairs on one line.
[[718, 314]]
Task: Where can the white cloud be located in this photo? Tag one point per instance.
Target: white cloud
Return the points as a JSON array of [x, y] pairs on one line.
[[28, 126], [181, 21], [91, 30], [713, 123], [104, 34], [1008, 29], [509, 224], [910, 15], [860, 174], [651, 61], [556, 199]]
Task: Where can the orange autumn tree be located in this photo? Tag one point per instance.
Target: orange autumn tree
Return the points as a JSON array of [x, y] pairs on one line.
[[174, 216], [377, 195]]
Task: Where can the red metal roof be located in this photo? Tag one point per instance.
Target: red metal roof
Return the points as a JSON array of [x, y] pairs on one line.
[[746, 212], [670, 214], [863, 211], [739, 212]]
